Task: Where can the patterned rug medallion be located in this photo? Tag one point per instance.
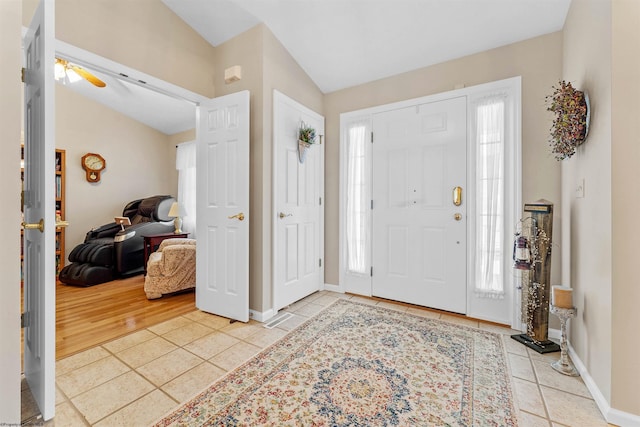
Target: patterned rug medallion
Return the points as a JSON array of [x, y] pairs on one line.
[[359, 365]]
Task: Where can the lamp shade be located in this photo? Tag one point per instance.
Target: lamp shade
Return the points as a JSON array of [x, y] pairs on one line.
[[177, 210]]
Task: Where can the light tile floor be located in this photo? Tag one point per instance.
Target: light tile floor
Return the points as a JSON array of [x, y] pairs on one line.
[[136, 379]]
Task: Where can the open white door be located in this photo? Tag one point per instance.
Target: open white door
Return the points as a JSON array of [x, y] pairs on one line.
[[222, 206], [299, 213], [39, 208]]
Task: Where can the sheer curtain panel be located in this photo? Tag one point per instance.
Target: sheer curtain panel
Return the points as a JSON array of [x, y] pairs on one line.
[[358, 213], [490, 145], [186, 166]]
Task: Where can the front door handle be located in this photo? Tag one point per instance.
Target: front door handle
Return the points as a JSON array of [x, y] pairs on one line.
[[240, 216], [283, 215], [457, 196]]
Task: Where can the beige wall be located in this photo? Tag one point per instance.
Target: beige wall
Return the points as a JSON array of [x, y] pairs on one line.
[[245, 50], [537, 60], [141, 34], [625, 195], [587, 221], [266, 66], [11, 107], [140, 162], [282, 73]]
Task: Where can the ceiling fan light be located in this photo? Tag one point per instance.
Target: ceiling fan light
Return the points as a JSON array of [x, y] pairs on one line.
[[73, 76], [59, 71]]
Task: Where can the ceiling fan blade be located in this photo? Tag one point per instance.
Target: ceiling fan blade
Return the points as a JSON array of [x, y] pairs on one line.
[[88, 76]]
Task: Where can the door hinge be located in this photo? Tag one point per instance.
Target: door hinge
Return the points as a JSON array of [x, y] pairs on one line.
[[23, 320], [371, 203], [372, 137], [320, 201], [371, 271], [22, 74], [319, 262]]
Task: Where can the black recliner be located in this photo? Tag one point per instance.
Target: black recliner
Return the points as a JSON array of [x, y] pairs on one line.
[[109, 253]]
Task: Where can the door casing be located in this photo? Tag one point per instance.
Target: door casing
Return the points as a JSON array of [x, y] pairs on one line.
[[485, 309]]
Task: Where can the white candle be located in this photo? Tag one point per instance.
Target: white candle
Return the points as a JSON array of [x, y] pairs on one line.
[[562, 296]]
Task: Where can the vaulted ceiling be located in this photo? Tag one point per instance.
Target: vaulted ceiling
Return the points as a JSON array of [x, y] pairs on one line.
[[343, 43]]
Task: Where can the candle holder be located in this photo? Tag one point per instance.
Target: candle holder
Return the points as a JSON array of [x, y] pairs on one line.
[[564, 365]]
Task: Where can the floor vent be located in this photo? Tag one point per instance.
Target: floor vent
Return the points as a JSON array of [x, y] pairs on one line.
[[278, 320]]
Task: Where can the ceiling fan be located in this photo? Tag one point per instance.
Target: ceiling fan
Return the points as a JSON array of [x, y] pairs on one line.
[[63, 68]]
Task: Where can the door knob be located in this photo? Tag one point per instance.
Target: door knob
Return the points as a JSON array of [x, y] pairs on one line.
[[283, 215], [62, 224], [34, 226], [240, 216], [457, 216], [457, 196]]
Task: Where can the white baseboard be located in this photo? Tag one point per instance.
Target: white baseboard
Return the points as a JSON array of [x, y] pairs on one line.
[[333, 288], [620, 418], [612, 415], [262, 316], [267, 315], [554, 334]]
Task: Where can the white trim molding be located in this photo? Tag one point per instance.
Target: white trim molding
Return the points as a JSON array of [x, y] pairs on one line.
[[506, 310], [262, 316], [611, 415], [333, 288]]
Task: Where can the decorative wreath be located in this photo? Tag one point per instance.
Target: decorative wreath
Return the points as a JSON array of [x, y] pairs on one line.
[[571, 123]]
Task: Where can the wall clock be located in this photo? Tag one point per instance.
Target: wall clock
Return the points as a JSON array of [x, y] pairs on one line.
[[93, 164]]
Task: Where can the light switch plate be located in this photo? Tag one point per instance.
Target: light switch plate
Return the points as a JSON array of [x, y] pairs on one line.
[[580, 189]]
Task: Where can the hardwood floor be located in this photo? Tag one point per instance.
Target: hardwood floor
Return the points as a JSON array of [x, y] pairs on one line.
[[86, 317]]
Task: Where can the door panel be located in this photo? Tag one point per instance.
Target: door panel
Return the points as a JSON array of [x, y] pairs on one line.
[[39, 203], [419, 249], [433, 244], [222, 168], [398, 251], [298, 211]]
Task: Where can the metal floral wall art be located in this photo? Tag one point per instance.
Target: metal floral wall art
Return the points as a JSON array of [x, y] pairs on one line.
[[571, 122], [306, 137]]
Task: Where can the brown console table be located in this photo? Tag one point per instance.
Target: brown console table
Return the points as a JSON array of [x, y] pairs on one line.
[[152, 242]]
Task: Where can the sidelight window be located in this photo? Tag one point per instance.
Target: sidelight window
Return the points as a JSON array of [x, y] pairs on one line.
[[489, 182], [358, 211]]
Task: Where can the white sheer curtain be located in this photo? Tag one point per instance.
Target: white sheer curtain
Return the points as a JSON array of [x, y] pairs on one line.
[[490, 147], [357, 215], [186, 166]]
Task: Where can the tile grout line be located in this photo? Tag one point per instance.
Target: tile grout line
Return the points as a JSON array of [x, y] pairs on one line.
[[538, 386]]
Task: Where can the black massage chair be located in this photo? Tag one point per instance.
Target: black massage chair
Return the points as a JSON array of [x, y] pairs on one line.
[[109, 252]]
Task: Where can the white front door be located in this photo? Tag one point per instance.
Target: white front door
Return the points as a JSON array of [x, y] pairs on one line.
[[222, 206], [419, 234], [298, 213], [39, 205]]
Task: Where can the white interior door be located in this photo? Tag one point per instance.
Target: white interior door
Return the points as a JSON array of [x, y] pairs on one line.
[[419, 234], [298, 217], [39, 205], [222, 205]]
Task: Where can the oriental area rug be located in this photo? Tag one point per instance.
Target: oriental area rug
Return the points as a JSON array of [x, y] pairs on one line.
[[359, 365]]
